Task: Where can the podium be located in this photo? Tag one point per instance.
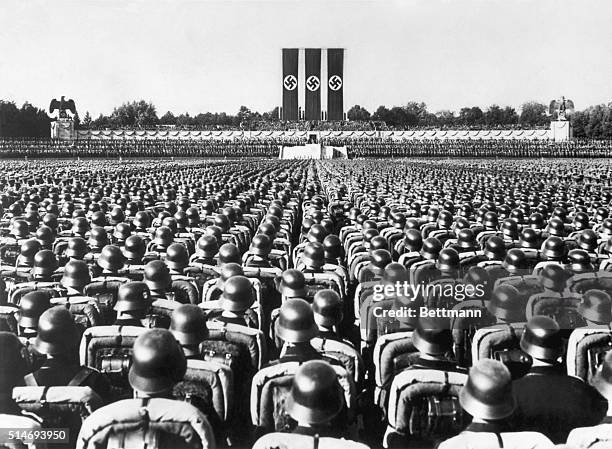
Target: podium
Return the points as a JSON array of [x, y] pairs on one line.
[[561, 130], [63, 129]]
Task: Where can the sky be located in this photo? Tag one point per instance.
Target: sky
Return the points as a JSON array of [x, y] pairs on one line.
[[208, 55]]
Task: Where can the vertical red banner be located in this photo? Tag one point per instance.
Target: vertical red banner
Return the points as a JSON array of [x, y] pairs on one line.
[[335, 84], [290, 84], [312, 83]]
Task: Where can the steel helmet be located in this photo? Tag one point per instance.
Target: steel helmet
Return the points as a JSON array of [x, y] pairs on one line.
[[20, 229], [157, 275], [580, 261], [228, 270], [163, 236], [602, 380], [316, 395], [76, 275], [111, 258], [553, 248], [554, 277], [587, 240], [431, 248], [314, 255], [188, 324], [134, 247], [332, 247], [292, 284], [507, 304], [228, 252], [158, 362], [515, 261], [327, 308], [487, 393], [528, 238], [495, 248], [295, 322], [177, 257], [261, 245], [98, 238], [28, 250], [142, 220], [45, 263], [132, 297], [433, 336], [122, 231], [448, 260], [413, 240], [238, 294], [379, 259], [57, 332], [596, 306], [207, 246], [541, 338], [76, 248], [31, 307]]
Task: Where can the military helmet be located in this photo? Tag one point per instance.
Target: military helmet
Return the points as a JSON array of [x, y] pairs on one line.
[[587, 240], [45, 263], [111, 258], [379, 259], [431, 248], [132, 297], [507, 304], [122, 231], [228, 252], [295, 322], [158, 362], [157, 275], [20, 229], [515, 261], [528, 238], [292, 284], [596, 306], [76, 275], [228, 270], [98, 238], [142, 220], [261, 245], [554, 277], [238, 294], [433, 335], [163, 236], [580, 261], [316, 395], [553, 248], [466, 240], [28, 250], [541, 338], [177, 256], [327, 308], [602, 380], [57, 332], [332, 247], [76, 248], [188, 324], [487, 393], [448, 260], [495, 248], [31, 307], [207, 246], [314, 255], [134, 247]]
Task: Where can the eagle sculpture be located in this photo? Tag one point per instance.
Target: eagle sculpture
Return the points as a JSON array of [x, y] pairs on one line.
[[563, 107], [62, 105]]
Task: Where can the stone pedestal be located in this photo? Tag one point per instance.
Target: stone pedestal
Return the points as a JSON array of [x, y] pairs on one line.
[[561, 130], [63, 129]]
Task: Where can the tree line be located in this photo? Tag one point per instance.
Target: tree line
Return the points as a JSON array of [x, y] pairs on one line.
[[30, 121]]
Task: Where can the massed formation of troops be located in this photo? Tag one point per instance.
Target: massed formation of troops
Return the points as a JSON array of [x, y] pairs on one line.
[[367, 147], [198, 304]]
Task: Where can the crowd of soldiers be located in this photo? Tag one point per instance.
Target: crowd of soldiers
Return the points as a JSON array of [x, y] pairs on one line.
[[357, 147], [278, 304]]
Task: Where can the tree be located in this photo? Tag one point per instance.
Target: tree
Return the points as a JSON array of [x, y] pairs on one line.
[[471, 116], [445, 118], [381, 114], [139, 114], [358, 114], [168, 119], [77, 121], [86, 120], [534, 114], [272, 116]]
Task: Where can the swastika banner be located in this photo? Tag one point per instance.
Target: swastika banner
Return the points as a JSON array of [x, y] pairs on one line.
[[335, 84], [290, 84], [312, 84]]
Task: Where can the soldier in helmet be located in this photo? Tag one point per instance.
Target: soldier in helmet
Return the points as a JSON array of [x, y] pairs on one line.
[[548, 400], [133, 304], [315, 400], [229, 253], [259, 251], [177, 258], [188, 325], [487, 397], [236, 300], [110, 262], [379, 259], [31, 307], [58, 338], [327, 308], [134, 249], [227, 271], [76, 249], [45, 264], [295, 327], [207, 248], [75, 277], [158, 278]]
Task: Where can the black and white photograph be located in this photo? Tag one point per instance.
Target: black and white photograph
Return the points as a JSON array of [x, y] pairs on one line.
[[305, 224]]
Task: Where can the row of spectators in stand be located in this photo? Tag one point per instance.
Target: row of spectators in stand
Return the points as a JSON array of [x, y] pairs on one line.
[[254, 147], [377, 147], [269, 147]]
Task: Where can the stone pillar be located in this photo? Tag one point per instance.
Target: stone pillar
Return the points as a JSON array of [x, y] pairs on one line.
[[561, 130], [63, 129]]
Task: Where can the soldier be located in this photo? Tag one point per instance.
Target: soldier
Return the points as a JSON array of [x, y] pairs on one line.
[[236, 301], [133, 304], [31, 307], [548, 400], [327, 309], [58, 339], [158, 279], [45, 264], [188, 325], [487, 396], [316, 398], [76, 276]]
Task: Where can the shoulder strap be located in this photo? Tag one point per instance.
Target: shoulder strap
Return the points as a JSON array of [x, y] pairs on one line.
[[500, 441], [315, 443], [80, 377]]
